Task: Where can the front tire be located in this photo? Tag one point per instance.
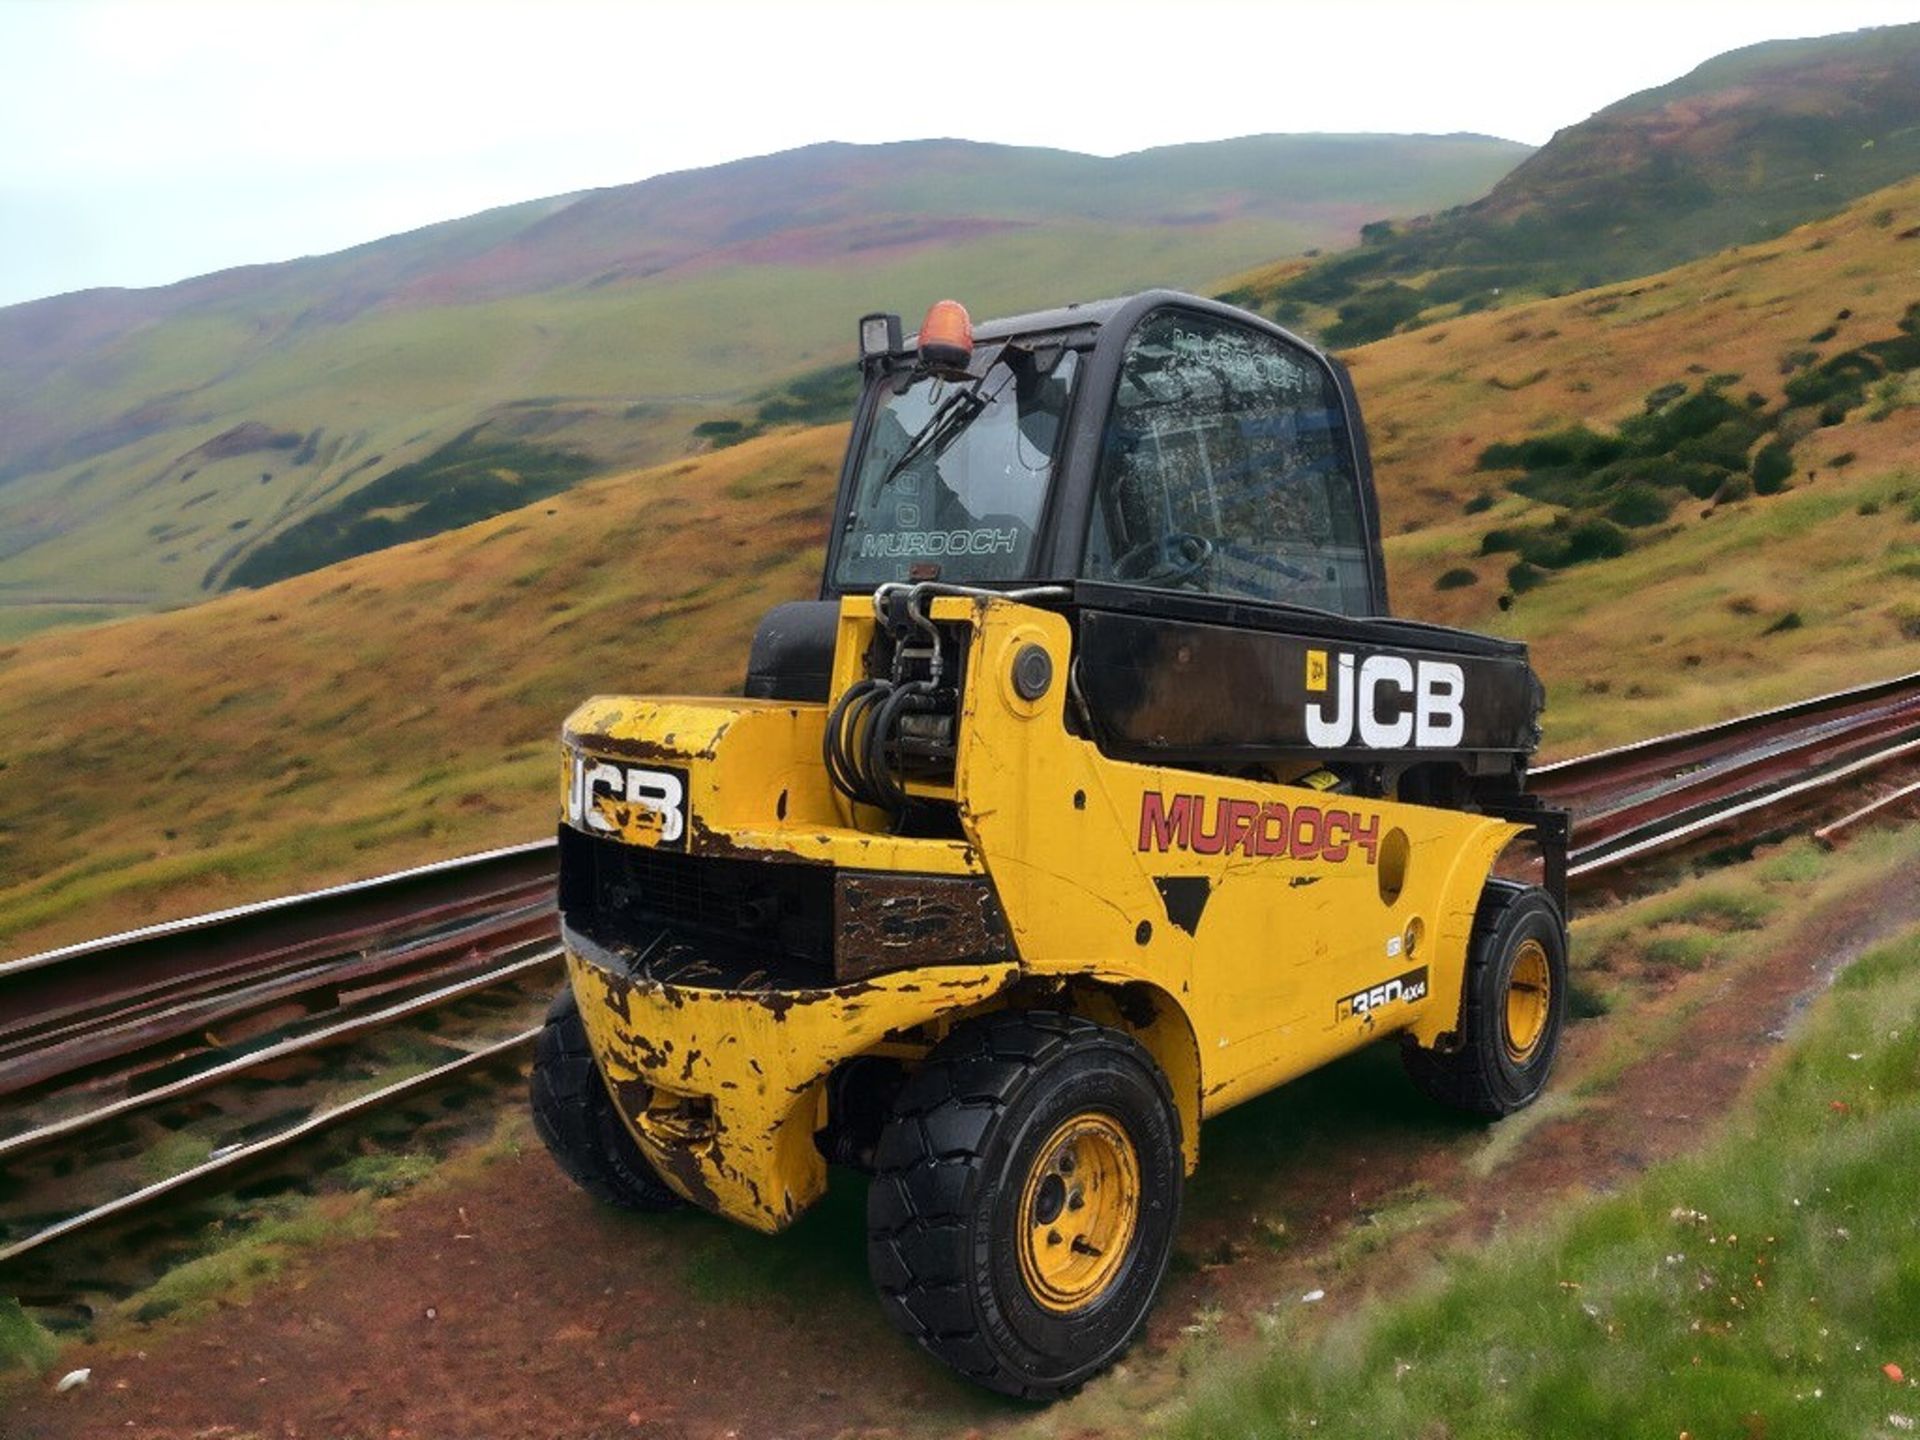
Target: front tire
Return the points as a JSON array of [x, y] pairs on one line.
[[1026, 1195], [1514, 1009], [577, 1121]]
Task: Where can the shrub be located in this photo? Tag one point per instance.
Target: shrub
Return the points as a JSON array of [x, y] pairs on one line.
[[1789, 621], [1575, 448], [1522, 577], [1772, 468], [1594, 540], [1725, 445], [1375, 312], [1456, 579], [1494, 541], [1479, 503], [1638, 504], [1698, 415]]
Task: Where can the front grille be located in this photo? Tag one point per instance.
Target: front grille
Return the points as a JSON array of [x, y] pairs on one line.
[[744, 911]]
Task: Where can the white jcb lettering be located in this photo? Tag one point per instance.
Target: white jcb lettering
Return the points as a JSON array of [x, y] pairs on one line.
[[592, 779], [1376, 733], [1441, 718], [1335, 732], [662, 794], [1394, 704], [653, 790]]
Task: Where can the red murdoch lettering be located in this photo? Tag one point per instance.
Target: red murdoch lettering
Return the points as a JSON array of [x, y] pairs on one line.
[[1339, 836], [1207, 842], [1306, 834], [1366, 834], [1164, 826], [1271, 837], [1241, 822]]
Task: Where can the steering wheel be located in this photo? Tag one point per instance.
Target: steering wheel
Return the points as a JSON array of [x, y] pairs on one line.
[[1171, 559]]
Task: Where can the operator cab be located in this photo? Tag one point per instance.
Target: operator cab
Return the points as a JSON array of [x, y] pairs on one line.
[[1189, 486], [1161, 441]]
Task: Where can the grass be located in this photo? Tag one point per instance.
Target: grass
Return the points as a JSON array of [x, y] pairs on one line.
[[232, 1270], [1759, 1287], [253, 1243], [385, 1175], [24, 1343]]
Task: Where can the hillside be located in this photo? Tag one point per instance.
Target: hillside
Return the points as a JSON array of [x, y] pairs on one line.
[[400, 706], [152, 442], [1741, 149]]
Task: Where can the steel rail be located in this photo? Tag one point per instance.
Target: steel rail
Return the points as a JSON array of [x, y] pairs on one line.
[[279, 904], [1569, 778], [1828, 835], [313, 1040], [239, 1154], [1714, 814], [1803, 753], [57, 1023], [88, 1046]]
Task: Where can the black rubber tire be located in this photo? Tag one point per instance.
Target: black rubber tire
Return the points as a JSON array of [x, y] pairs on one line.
[[946, 1192], [576, 1119], [1480, 1077]]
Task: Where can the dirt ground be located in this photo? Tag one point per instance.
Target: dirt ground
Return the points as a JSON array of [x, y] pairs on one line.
[[515, 1307]]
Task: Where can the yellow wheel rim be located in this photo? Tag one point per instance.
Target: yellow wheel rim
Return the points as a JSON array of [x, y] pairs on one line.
[[1529, 1001], [1078, 1211]]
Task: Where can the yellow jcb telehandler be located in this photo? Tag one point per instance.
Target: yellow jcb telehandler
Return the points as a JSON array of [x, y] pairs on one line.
[[1097, 793]]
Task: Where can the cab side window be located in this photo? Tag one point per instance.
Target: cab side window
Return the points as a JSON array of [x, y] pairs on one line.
[[1227, 469]]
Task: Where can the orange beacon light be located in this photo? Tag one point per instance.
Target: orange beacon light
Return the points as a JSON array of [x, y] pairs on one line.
[[946, 336]]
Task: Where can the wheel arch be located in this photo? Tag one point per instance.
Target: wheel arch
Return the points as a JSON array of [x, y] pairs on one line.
[[1437, 1026], [1156, 1019]]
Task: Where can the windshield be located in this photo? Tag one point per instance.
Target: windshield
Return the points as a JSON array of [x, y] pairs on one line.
[[967, 505]]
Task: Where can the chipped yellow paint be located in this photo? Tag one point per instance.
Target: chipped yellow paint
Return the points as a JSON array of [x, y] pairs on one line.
[[761, 1059], [1250, 998]]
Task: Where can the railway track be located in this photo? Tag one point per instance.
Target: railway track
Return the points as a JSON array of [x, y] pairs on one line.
[[98, 1036]]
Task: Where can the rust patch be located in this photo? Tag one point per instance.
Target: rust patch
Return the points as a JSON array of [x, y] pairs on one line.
[[886, 922], [614, 747], [703, 839]]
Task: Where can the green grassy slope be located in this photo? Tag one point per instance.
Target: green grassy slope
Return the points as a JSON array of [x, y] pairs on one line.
[[1764, 1287], [605, 325], [401, 706], [1739, 150]]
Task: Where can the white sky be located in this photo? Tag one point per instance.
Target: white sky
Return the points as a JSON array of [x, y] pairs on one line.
[[142, 141]]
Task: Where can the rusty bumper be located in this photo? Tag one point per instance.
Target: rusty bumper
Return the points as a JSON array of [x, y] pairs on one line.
[[724, 1089]]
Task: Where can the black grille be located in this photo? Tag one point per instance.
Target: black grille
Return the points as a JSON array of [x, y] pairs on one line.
[[622, 895]]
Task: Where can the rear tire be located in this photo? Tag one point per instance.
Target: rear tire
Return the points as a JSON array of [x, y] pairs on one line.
[[1025, 1199], [575, 1117], [1513, 1012]]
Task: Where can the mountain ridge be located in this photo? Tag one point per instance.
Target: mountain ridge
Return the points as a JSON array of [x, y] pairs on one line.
[[1738, 150], [601, 323]]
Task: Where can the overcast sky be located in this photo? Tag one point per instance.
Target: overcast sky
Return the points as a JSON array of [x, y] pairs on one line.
[[143, 141]]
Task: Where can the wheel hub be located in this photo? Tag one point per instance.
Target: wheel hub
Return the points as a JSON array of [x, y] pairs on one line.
[[1078, 1212], [1529, 1001]]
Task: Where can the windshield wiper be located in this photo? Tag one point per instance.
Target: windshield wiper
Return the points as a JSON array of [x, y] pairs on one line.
[[943, 427]]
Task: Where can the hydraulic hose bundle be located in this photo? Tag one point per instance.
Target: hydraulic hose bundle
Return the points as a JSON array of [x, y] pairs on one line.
[[861, 731], [862, 747], [864, 726]]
